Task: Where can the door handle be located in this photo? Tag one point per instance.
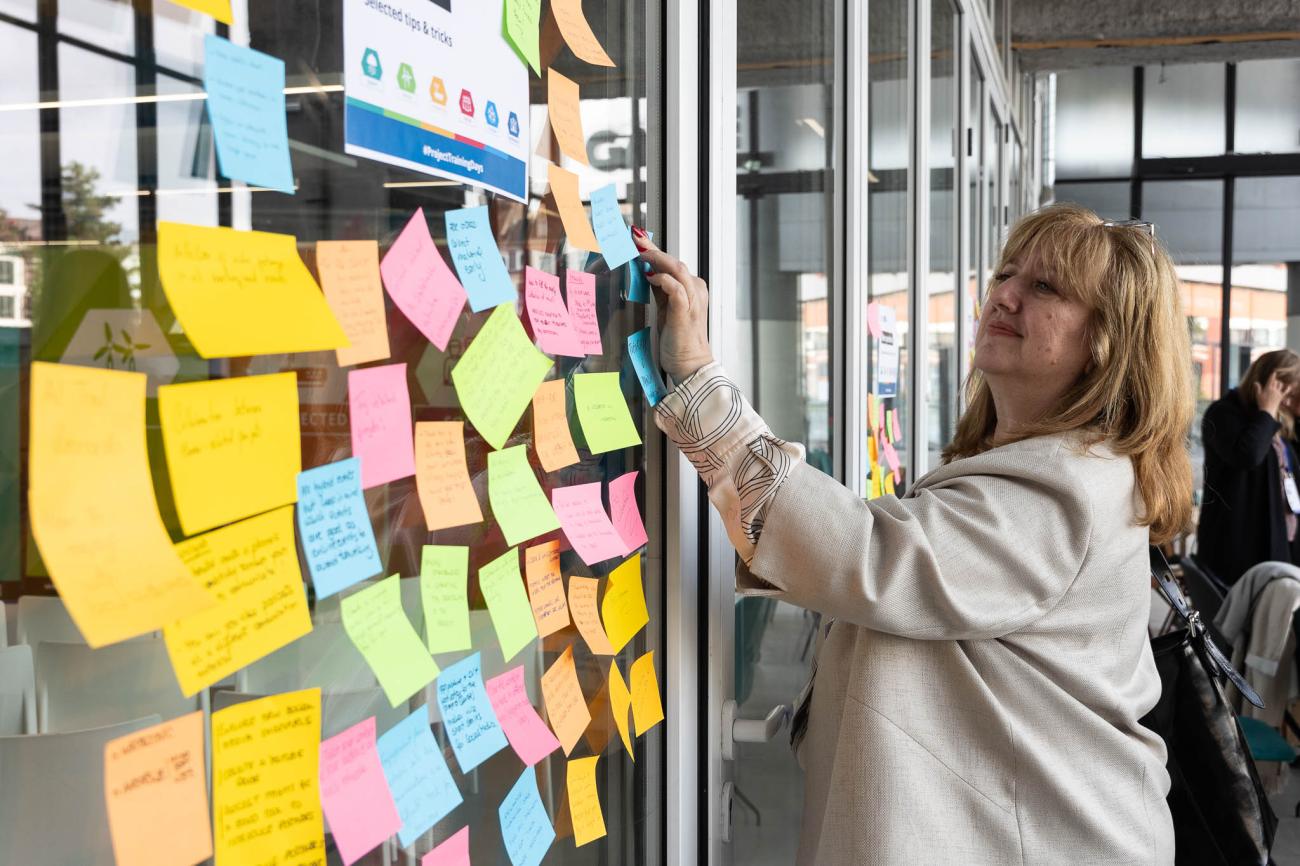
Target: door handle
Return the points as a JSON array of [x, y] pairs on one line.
[[762, 730]]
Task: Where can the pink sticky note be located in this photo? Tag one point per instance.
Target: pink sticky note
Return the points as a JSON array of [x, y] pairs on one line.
[[420, 283], [552, 328], [529, 736], [454, 851], [382, 434], [585, 522], [354, 793], [582, 310], [891, 457], [894, 418], [625, 512], [873, 319]]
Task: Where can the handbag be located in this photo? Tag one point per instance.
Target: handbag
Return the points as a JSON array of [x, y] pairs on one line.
[[1220, 812]]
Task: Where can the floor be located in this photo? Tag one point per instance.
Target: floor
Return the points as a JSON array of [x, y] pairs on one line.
[[1286, 846]]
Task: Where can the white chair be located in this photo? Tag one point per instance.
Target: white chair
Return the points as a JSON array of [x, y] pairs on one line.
[[78, 687], [44, 618], [325, 657], [17, 691], [52, 801]]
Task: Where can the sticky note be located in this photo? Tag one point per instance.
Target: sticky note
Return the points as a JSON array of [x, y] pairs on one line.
[[418, 776], [898, 433], [546, 587], [551, 435], [525, 827], [528, 734], [581, 287], [444, 589], [503, 590], [620, 704], [647, 707], [638, 289], [607, 222], [585, 523], [565, 705], [218, 9], [584, 801], [891, 457], [421, 284], [442, 475], [349, 276], [154, 778], [271, 815], [522, 20], [467, 714], [379, 405], [354, 793], [243, 293], [92, 505], [518, 503], [577, 32], [606, 422], [597, 734], [552, 327], [647, 371], [334, 523], [871, 411], [232, 447], [582, 606], [478, 261], [564, 106], [453, 851], [251, 569], [625, 513], [246, 106], [887, 488], [623, 607], [564, 186], [376, 623], [873, 320], [498, 375]]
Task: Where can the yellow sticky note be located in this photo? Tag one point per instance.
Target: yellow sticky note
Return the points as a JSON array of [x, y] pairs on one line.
[[606, 422], [518, 503], [442, 475], [444, 596], [620, 702], [93, 511], [887, 484], [251, 569], [582, 605], [584, 801], [498, 375], [349, 276], [232, 447], [566, 708], [243, 293], [551, 435], [265, 783], [564, 186], [154, 778], [377, 624], [624, 607], [503, 590], [577, 32], [546, 587], [647, 706], [218, 9], [566, 116]]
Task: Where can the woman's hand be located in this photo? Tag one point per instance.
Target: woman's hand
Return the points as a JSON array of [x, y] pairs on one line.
[[683, 300], [1271, 394]]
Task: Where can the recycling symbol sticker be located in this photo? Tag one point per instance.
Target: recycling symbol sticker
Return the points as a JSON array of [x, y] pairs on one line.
[[406, 78], [370, 64], [490, 114], [513, 125]]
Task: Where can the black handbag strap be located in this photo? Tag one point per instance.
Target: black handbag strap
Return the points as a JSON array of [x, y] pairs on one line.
[[1196, 628]]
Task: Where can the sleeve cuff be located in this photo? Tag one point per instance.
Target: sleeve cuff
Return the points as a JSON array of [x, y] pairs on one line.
[[708, 418]]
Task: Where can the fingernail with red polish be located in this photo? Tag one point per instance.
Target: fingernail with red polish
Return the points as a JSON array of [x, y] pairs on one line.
[[638, 231]]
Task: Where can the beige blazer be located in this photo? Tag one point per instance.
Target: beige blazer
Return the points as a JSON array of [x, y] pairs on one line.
[[977, 698]]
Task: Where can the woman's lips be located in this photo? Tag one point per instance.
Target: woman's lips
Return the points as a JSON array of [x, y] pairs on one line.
[[1003, 329]]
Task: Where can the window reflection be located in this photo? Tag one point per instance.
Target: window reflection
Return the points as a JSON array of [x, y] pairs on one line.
[[941, 284]]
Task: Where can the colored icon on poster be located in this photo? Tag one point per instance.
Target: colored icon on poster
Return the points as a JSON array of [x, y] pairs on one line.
[[371, 66], [490, 114], [466, 103], [438, 91], [406, 78], [513, 125]]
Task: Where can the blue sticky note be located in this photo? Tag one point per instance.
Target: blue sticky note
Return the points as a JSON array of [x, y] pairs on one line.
[[638, 289], [525, 826], [479, 265], [607, 221], [246, 106], [417, 775], [638, 349], [467, 713], [335, 527]]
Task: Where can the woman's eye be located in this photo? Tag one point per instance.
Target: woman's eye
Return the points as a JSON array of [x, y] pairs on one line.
[[1002, 277], [1044, 287]]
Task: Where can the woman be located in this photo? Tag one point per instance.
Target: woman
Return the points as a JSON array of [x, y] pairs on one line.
[[977, 698], [1247, 513]]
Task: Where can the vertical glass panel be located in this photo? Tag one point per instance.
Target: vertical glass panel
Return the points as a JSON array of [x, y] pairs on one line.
[[974, 149], [1265, 266], [993, 143], [187, 189], [1093, 131], [1183, 111], [1268, 113], [941, 283], [1108, 199], [178, 36], [106, 23], [24, 9]]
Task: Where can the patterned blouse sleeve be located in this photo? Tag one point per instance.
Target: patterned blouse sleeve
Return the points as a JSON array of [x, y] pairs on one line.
[[731, 447]]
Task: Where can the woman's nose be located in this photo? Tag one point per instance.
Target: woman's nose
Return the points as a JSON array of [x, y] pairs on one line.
[[1006, 295]]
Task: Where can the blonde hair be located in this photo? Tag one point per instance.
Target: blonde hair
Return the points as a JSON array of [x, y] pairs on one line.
[[1286, 364], [1136, 392]]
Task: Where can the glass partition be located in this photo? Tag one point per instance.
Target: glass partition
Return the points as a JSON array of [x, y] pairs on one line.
[[1183, 112], [1265, 265], [1087, 101], [941, 284], [1267, 115]]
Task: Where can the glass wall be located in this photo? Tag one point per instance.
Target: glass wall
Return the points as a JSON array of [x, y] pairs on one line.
[[941, 283], [1265, 265]]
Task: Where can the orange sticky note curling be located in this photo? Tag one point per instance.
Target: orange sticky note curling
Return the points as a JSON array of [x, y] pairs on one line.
[[566, 708], [620, 702], [349, 276], [584, 801], [624, 606], [566, 117], [551, 435], [564, 186], [546, 587], [577, 32], [582, 605], [442, 475], [647, 706]]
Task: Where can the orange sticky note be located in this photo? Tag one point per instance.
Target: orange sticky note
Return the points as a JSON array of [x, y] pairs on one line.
[[442, 475], [566, 708], [582, 605], [564, 186], [546, 587], [647, 706], [624, 607], [620, 702], [577, 32], [584, 801], [551, 435], [566, 117], [349, 275], [154, 782]]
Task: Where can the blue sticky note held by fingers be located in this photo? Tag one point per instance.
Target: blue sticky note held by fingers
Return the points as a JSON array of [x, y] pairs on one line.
[[638, 290], [638, 349], [607, 221]]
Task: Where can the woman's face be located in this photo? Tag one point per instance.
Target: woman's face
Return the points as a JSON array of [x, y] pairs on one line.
[[1031, 337]]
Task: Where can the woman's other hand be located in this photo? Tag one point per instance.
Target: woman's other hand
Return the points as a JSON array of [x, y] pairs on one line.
[[683, 301], [1271, 394]]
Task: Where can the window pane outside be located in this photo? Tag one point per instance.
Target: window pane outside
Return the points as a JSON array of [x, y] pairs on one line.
[[1109, 200], [1093, 131], [974, 283], [1265, 262], [941, 283], [1183, 113], [1268, 112]]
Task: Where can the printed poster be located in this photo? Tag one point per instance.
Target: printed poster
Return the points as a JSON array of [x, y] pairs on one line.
[[432, 85], [887, 357]]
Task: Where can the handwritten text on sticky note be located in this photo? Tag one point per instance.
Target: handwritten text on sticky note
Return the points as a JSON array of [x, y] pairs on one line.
[[444, 576], [377, 624], [565, 705], [421, 284], [503, 589], [417, 775], [497, 376], [552, 327], [349, 276], [546, 587], [353, 792], [612, 232], [478, 260], [246, 106], [337, 535], [518, 503], [525, 826], [380, 414], [585, 523], [528, 734], [467, 713], [606, 422]]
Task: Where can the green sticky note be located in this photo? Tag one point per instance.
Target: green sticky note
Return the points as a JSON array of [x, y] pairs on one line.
[[518, 503], [522, 20], [606, 422], [376, 623], [512, 616], [497, 376], [444, 585]]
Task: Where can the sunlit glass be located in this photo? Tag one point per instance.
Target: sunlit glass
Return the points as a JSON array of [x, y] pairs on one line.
[[1149, 228]]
